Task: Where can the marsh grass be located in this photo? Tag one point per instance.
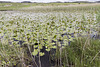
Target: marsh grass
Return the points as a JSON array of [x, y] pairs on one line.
[[48, 7], [81, 53], [12, 6], [63, 8], [17, 6]]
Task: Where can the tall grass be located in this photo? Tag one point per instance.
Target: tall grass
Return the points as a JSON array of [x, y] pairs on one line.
[[81, 53]]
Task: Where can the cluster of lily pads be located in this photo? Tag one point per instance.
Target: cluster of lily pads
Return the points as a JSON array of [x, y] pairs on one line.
[[51, 30]]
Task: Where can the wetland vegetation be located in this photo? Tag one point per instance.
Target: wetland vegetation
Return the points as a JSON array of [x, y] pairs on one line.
[[49, 35]]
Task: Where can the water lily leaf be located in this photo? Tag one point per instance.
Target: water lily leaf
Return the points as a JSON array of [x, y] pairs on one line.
[[54, 47], [35, 52], [41, 54], [48, 49]]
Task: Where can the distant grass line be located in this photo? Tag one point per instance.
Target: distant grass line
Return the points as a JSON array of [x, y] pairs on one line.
[[16, 6], [64, 8], [12, 6], [61, 9], [47, 7]]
